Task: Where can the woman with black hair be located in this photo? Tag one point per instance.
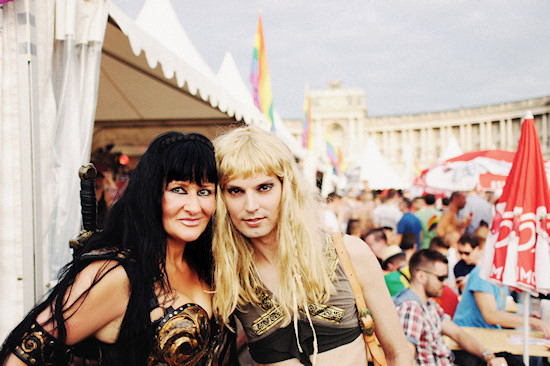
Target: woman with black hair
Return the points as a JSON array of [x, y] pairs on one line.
[[139, 291]]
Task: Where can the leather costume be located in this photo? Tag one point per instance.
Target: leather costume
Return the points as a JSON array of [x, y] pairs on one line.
[[182, 336]]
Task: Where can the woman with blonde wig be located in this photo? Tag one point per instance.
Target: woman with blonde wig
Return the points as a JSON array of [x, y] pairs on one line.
[[278, 271]]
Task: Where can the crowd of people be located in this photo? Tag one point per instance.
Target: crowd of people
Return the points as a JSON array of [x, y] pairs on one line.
[[207, 238], [430, 249]]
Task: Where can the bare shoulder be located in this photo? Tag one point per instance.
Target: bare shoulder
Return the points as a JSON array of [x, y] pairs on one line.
[[358, 249], [103, 275], [364, 261], [98, 297]]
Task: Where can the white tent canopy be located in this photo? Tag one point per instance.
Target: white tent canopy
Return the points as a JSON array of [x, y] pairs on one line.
[[377, 171], [159, 20], [229, 77], [153, 80], [452, 149]]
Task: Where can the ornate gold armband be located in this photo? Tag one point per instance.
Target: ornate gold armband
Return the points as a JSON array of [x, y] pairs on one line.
[[37, 347]]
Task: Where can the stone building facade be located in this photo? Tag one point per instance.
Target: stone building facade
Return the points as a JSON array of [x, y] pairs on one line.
[[420, 138]]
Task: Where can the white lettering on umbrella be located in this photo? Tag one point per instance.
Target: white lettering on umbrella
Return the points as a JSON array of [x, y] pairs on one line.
[[505, 230], [527, 232], [504, 236], [526, 277], [526, 247], [497, 272]]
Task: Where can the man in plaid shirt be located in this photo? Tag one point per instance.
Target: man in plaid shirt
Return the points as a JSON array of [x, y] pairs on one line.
[[424, 321]]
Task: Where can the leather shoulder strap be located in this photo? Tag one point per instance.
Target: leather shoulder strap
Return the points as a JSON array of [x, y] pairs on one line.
[[365, 318], [349, 270]]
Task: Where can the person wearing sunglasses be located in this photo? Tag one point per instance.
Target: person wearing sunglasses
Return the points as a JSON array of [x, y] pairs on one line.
[[469, 252], [425, 322]]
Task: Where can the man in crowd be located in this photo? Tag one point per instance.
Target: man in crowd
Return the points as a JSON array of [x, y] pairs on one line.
[[424, 321], [409, 223], [450, 221], [481, 210], [330, 211], [395, 262], [377, 241], [467, 248], [408, 244], [388, 213], [429, 218]]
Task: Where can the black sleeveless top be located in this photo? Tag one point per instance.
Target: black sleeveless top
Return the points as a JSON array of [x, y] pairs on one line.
[[335, 322]]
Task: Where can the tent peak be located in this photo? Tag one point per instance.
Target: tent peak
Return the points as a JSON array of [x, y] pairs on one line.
[[158, 19]]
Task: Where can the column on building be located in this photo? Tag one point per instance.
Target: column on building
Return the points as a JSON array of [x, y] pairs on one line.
[[371, 135], [509, 134], [423, 142], [448, 135], [503, 141], [430, 155], [444, 135], [489, 135], [394, 148], [358, 137], [408, 141], [405, 138], [462, 137], [469, 140], [385, 144], [482, 135]]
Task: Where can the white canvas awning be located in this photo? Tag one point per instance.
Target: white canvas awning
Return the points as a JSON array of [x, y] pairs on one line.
[[377, 171], [147, 87], [452, 149]]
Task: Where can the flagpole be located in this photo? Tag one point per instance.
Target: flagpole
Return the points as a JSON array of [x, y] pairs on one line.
[[526, 333], [306, 122]]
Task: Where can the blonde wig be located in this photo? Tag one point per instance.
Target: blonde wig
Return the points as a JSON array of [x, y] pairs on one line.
[[302, 267]]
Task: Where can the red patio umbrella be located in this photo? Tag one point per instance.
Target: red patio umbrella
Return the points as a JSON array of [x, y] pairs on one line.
[[485, 170], [517, 247], [517, 251]]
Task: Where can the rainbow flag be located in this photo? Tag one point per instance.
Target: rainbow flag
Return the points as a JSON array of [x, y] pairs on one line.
[[259, 76], [432, 223], [306, 124], [416, 170], [334, 154]]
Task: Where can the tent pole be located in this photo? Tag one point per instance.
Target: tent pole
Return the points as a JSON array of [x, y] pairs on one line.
[[526, 301], [30, 148]]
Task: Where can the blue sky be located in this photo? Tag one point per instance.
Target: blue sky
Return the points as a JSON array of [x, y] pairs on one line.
[[408, 56]]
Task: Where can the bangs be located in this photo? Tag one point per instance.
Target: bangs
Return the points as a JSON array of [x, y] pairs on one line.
[[246, 160], [190, 161]]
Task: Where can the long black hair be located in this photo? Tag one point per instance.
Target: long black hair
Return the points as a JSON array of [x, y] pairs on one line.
[[133, 227], [134, 223]]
